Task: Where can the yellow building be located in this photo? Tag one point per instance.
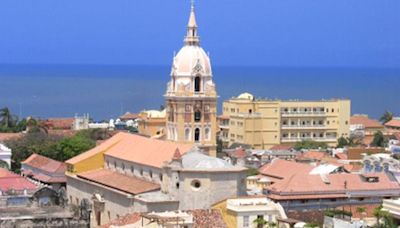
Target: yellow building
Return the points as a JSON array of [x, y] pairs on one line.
[[263, 123], [191, 98], [152, 123]]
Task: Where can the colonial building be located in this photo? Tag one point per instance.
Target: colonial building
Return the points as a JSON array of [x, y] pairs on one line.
[[131, 173], [191, 98], [263, 123]]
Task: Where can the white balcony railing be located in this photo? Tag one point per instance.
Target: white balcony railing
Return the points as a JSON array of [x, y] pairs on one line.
[[299, 113], [307, 126], [318, 139]]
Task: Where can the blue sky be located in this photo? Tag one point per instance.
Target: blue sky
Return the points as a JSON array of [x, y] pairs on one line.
[[352, 33]]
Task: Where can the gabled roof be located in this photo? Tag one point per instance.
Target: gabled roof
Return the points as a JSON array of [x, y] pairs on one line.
[[338, 184], [128, 184], [44, 163], [59, 123], [313, 155], [395, 122], [10, 180], [365, 121], [282, 147], [146, 151], [129, 116], [281, 169]]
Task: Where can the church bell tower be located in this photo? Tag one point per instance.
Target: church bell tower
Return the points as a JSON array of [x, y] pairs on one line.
[[191, 98]]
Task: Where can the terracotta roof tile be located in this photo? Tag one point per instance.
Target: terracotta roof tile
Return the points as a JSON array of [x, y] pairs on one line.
[[313, 185], [10, 180], [341, 156], [314, 155], [147, 151], [281, 169], [129, 116], [46, 164], [239, 153], [365, 121], [282, 147], [393, 123], [128, 184], [59, 123]]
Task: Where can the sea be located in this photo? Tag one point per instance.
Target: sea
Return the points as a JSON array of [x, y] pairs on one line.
[[107, 91]]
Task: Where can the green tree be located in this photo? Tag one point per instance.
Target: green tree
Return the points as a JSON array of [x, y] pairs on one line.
[[7, 120], [386, 117], [310, 144], [342, 142], [72, 146], [260, 222], [361, 211], [379, 139]]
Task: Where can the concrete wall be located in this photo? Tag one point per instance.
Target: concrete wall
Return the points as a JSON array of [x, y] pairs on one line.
[[214, 187], [116, 203]]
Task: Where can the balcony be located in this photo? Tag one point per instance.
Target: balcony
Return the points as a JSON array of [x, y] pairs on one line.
[[299, 113], [247, 115], [224, 126], [299, 139], [307, 126]]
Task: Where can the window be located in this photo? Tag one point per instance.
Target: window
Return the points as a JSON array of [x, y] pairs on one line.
[[115, 164], [197, 82], [245, 221], [197, 135], [160, 176], [197, 116], [195, 185], [132, 169], [141, 172], [333, 110], [151, 174], [188, 108], [207, 108], [187, 134], [207, 134], [250, 111]]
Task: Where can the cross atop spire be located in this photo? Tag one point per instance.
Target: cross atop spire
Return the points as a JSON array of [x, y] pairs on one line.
[[191, 36]]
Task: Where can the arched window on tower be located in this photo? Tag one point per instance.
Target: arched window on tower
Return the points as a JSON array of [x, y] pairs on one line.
[[197, 116], [187, 134], [207, 134], [197, 135], [197, 82]]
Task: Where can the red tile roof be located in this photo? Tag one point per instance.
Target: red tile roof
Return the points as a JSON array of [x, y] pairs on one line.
[[281, 169], [147, 151], [207, 218], [59, 123], [301, 185], [124, 220], [128, 184], [393, 123], [282, 147], [313, 155], [341, 156], [365, 121], [135, 148], [44, 163], [239, 153], [369, 210], [10, 180]]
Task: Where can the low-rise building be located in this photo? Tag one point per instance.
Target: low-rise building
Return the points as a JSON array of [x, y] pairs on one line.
[[363, 125], [45, 171], [263, 123], [393, 124], [152, 123], [5, 156], [243, 212]]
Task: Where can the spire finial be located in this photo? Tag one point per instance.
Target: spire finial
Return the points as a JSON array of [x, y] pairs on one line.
[[192, 4], [191, 36]]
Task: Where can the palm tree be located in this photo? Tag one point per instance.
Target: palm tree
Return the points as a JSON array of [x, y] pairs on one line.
[[6, 118], [33, 125], [386, 117]]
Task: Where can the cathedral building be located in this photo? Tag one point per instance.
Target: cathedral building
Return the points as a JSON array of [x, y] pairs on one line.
[[191, 98]]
